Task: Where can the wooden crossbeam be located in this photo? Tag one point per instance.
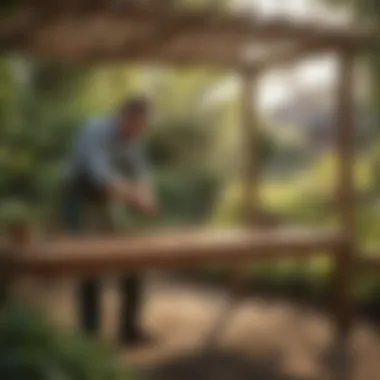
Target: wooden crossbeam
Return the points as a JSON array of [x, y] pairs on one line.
[[164, 26], [286, 57], [249, 146], [81, 257], [317, 45], [161, 35], [200, 20]]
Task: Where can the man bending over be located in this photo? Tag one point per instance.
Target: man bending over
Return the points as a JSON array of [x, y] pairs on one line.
[[94, 179]]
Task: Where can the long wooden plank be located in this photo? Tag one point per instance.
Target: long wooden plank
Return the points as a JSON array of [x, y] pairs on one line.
[[343, 275], [91, 255], [200, 25], [200, 20], [249, 146], [345, 140], [249, 162]]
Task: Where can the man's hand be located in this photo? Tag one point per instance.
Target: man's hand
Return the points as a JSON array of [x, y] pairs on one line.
[[145, 201], [136, 195]]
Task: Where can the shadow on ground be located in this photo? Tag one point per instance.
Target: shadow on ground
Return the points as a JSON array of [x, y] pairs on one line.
[[219, 365]]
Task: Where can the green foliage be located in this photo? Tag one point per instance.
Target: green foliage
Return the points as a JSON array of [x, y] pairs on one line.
[[187, 196], [41, 110], [180, 142], [307, 197], [32, 349], [42, 104], [8, 5], [15, 212]]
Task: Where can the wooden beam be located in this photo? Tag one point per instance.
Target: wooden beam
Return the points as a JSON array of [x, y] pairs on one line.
[[249, 147], [249, 163], [346, 142], [97, 256], [301, 50], [199, 23], [6, 273], [163, 32], [167, 59], [343, 276], [289, 56], [202, 21], [15, 29], [161, 35]]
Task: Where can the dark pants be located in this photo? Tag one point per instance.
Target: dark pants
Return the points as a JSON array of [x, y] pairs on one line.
[[89, 306], [75, 206]]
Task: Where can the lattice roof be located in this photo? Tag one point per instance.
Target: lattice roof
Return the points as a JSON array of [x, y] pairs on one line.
[[84, 31]]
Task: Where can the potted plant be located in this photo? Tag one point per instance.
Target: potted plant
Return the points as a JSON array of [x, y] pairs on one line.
[[18, 220]]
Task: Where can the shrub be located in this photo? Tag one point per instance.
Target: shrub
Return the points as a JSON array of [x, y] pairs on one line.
[[32, 349], [15, 212]]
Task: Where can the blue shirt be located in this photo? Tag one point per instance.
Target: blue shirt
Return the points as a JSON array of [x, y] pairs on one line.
[[101, 153]]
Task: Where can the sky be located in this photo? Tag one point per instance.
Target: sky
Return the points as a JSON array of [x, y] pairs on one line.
[[276, 87]]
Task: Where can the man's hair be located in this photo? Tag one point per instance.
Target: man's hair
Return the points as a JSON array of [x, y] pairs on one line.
[[136, 105]]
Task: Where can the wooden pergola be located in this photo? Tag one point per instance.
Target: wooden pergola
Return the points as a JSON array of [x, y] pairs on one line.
[[101, 31]]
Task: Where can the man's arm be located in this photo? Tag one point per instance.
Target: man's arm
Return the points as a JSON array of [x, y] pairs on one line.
[[143, 181], [101, 170]]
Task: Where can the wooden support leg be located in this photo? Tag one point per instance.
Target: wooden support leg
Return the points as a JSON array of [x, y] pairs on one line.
[[250, 169], [343, 278], [340, 358], [6, 276], [239, 278]]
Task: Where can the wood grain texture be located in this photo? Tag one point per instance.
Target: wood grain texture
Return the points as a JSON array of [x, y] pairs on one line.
[[345, 141], [84, 31], [94, 255]]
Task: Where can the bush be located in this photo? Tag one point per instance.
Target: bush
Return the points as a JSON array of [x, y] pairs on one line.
[[31, 349], [185, 197], [15, 212]]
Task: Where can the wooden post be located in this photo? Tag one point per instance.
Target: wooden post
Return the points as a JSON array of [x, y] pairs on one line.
[[249, 164], [5, 278], [343, 276], [249, 174], [7, 274], [249, 147], [18, 239]]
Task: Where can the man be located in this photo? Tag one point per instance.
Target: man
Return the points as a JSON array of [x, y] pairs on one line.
[[95, 179]]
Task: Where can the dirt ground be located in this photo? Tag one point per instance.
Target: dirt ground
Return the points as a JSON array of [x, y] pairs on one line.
[[261, 339]]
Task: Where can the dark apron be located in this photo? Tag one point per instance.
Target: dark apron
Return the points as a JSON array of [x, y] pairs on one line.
[[79, 193]]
